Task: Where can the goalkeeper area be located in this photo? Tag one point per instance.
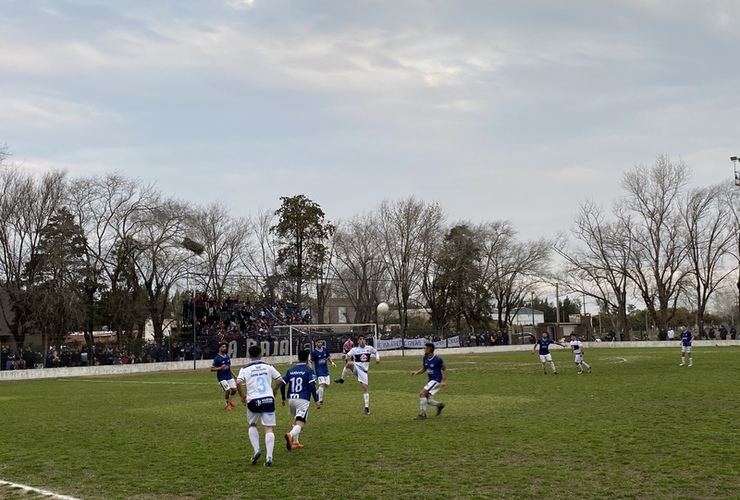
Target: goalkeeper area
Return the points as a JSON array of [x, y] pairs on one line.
[[334, 335]]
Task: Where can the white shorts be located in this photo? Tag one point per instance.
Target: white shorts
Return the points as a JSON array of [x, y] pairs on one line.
[[299, 408], [579, 358], [227, 384], [361, 374], [268, 419], [432, 387], [685, 348], [324, 380], [545, 357]]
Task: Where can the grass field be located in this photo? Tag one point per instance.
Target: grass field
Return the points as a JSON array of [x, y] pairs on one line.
[[638, 426]]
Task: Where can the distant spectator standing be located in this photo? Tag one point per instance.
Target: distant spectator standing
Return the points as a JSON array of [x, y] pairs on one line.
[[733, 332], [671, 334], [722, 332]]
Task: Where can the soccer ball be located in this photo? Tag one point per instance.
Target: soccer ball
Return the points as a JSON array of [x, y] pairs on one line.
[[383, 309]]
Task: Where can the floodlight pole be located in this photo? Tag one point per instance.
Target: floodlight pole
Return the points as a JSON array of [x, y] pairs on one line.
[[531, 308], [195, 337], [196, 249], [734, 160]]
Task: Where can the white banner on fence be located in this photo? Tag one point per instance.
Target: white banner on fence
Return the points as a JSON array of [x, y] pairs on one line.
[[388, 344], [416, 343]]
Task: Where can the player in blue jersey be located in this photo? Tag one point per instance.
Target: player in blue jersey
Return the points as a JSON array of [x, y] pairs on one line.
[[437, 372], [544, 343], [262, 382], [300, 381], [686, 339], [222, 366], [358, 362], [320, 358]]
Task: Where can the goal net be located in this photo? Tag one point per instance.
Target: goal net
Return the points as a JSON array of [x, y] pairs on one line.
[[334, 335]]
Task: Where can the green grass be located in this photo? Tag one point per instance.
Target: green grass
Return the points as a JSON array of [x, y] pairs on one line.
[[639, 426]]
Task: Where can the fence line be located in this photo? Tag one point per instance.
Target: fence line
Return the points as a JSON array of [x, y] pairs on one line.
[[204, 364]]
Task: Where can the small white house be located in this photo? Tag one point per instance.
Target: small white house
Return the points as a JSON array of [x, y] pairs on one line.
[[524, 316]]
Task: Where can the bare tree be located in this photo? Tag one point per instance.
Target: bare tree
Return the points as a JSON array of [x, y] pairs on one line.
[[26, 205], [111, 210], [360, 271], [732, 201], [599, 265], [224, 240], [651, 212], [511, 268], [709, 238], [160, 258], [410, 229], [260, 257]]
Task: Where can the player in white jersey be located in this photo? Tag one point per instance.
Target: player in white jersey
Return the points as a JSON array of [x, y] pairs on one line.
[[262, 383], [358, 362], [576, 348]]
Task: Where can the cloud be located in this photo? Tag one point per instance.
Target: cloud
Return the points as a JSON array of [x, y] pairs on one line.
[[240, 4], [47, 112]]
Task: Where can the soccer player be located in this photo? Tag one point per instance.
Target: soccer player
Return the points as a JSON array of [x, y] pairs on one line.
[[437, 372], [301, 383], [358, 362], [262, 382], [686, 338], [222, 366], [320, 358], [544, 343], [576, 347]]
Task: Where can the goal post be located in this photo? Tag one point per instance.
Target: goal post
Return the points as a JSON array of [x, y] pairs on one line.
[[334, 335]]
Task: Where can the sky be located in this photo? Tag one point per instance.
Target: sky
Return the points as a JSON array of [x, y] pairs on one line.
[[505, 109]]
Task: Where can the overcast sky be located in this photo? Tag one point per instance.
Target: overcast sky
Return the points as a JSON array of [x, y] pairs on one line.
[[496, 109]]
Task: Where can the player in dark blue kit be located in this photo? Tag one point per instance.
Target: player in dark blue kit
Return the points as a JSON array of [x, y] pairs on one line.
[[300, 381], [686, 338], [320, 358], [437, 372], [544, 343], [222, 366]]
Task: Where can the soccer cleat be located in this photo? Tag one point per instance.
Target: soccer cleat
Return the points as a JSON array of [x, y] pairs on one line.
[[321, 402], [256, 456], [297, 446], [440, 407], [691, 364], [227, 407], [268, 462], [289, 441], [367, 410], [339, 381], [554, 373], [580, 372], [589, 370], [421, 416], [681, 364]]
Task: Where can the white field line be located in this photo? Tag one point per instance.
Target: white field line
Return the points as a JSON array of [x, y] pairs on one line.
[[45, 493], [129, 382]]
